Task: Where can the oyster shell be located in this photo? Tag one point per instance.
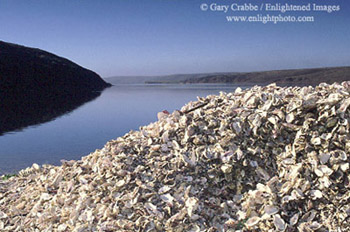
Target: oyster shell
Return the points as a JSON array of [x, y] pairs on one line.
[[267, 158]]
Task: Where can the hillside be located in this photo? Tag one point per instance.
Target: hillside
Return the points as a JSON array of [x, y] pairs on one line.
[[36, 85], [281, 77]]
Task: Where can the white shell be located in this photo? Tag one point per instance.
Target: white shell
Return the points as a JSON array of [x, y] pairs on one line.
[[253, 221], [279, 223]]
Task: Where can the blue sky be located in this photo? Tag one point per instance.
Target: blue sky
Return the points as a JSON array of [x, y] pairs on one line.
[[157, 37]]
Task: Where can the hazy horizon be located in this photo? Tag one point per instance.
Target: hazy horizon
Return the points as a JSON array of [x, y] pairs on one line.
[[167, 37], [176, 74]]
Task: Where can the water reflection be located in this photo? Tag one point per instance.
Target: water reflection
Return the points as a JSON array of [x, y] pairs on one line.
[[118, 110], [18, 111]]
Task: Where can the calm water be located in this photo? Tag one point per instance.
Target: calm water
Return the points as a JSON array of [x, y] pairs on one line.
[[118, 110]]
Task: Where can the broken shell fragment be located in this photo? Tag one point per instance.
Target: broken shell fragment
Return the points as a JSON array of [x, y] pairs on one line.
[[294, 219], [253, 221], [279, 223], [270, 210], [226, 168], [316, 194]]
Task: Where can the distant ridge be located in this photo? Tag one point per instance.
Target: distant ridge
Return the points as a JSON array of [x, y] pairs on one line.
[[175, 78], [311, 76]]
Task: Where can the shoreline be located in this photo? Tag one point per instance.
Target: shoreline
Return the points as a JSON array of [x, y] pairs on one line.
[[246, 160]]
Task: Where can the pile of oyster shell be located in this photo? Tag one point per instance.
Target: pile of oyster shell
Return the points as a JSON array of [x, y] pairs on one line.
[[261, 159]]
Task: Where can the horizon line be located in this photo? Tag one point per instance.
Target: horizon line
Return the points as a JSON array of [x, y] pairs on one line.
[[223, 72]]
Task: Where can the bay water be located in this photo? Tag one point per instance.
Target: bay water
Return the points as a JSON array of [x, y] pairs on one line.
[[116, 111]]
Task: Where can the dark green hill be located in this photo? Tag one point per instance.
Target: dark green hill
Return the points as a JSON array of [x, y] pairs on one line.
[[37, 86]]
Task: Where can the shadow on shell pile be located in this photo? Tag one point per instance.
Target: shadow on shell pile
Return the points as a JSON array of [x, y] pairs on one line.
[[262, 159]]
